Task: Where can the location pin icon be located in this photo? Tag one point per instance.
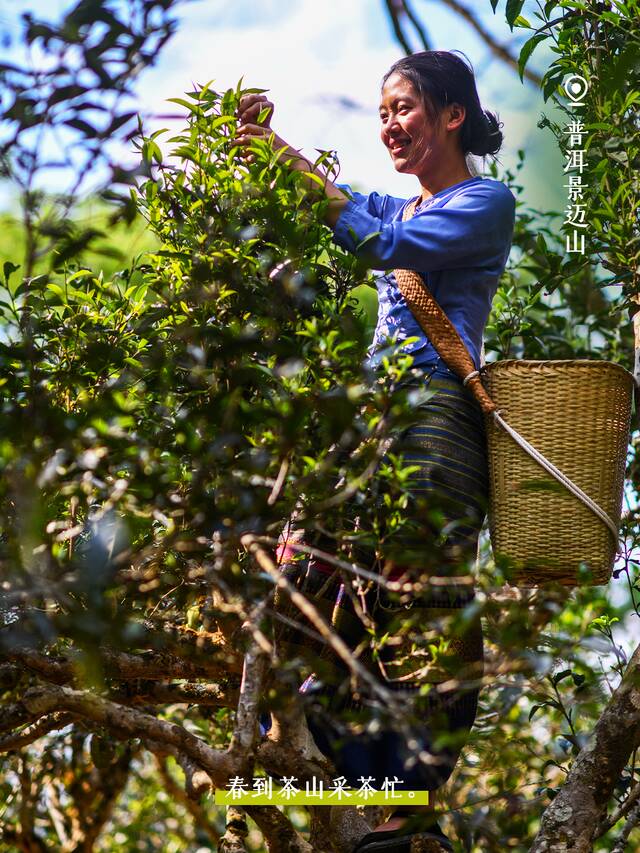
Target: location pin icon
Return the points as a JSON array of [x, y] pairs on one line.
[[576, 87]]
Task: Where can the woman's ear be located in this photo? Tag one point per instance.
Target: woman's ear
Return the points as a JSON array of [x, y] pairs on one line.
[[456, 116]]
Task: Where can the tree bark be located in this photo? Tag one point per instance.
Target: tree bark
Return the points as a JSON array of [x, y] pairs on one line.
[[571, 821]]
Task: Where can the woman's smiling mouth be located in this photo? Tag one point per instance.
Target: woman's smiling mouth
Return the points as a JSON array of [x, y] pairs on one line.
[[398, 145]]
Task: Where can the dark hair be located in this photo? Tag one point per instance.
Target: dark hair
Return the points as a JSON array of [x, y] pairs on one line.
[[442, 78]]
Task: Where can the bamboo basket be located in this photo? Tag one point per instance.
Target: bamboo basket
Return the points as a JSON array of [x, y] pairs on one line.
[[577, 414], [555, 508]]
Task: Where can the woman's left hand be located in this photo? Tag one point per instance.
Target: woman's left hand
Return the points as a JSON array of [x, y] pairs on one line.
[[254, 115], [250, 109], [246, 133]]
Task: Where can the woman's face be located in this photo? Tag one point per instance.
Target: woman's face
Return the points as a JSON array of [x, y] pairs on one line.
[[412, 139]]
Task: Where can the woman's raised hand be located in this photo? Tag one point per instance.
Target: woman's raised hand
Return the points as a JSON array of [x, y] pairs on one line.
[[251, 107], [254, 122]]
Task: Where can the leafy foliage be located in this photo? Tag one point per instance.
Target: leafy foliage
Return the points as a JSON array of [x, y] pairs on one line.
[[66, 108], [215, 386], [609, 114]]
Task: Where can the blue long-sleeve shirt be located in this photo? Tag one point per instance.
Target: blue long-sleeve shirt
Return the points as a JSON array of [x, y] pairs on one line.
[[458, 240]]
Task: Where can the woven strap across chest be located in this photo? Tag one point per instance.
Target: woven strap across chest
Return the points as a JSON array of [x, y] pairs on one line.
[[449, 345], [440, 330]]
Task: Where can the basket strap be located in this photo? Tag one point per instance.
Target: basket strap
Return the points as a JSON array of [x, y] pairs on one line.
[[449, 345], [440, 330]]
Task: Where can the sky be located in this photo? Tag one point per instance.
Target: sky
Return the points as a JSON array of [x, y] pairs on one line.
[[323, 63]]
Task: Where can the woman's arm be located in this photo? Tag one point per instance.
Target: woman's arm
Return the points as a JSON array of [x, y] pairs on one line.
[[249, 112], [474, 228]]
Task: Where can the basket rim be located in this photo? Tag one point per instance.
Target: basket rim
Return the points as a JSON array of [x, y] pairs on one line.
[[578, 362]]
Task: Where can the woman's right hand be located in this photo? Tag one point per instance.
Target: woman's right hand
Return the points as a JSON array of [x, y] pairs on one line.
[[250, 107]]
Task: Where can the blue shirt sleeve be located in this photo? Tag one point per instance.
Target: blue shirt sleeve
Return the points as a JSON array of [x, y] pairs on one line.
[[382, 206], [471, 228]]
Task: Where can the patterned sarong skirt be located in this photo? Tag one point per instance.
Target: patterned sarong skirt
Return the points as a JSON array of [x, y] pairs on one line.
[[433, 649]]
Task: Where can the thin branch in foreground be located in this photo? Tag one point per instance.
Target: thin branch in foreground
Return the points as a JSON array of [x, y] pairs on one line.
[[392, 9], [618, 813], [246, 732], [419, 28], [397, 8], [45, 725], [630, 824], [394, 705], [325, 556]]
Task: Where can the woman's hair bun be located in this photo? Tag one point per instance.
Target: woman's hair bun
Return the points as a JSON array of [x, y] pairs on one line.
[[485, 134]]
